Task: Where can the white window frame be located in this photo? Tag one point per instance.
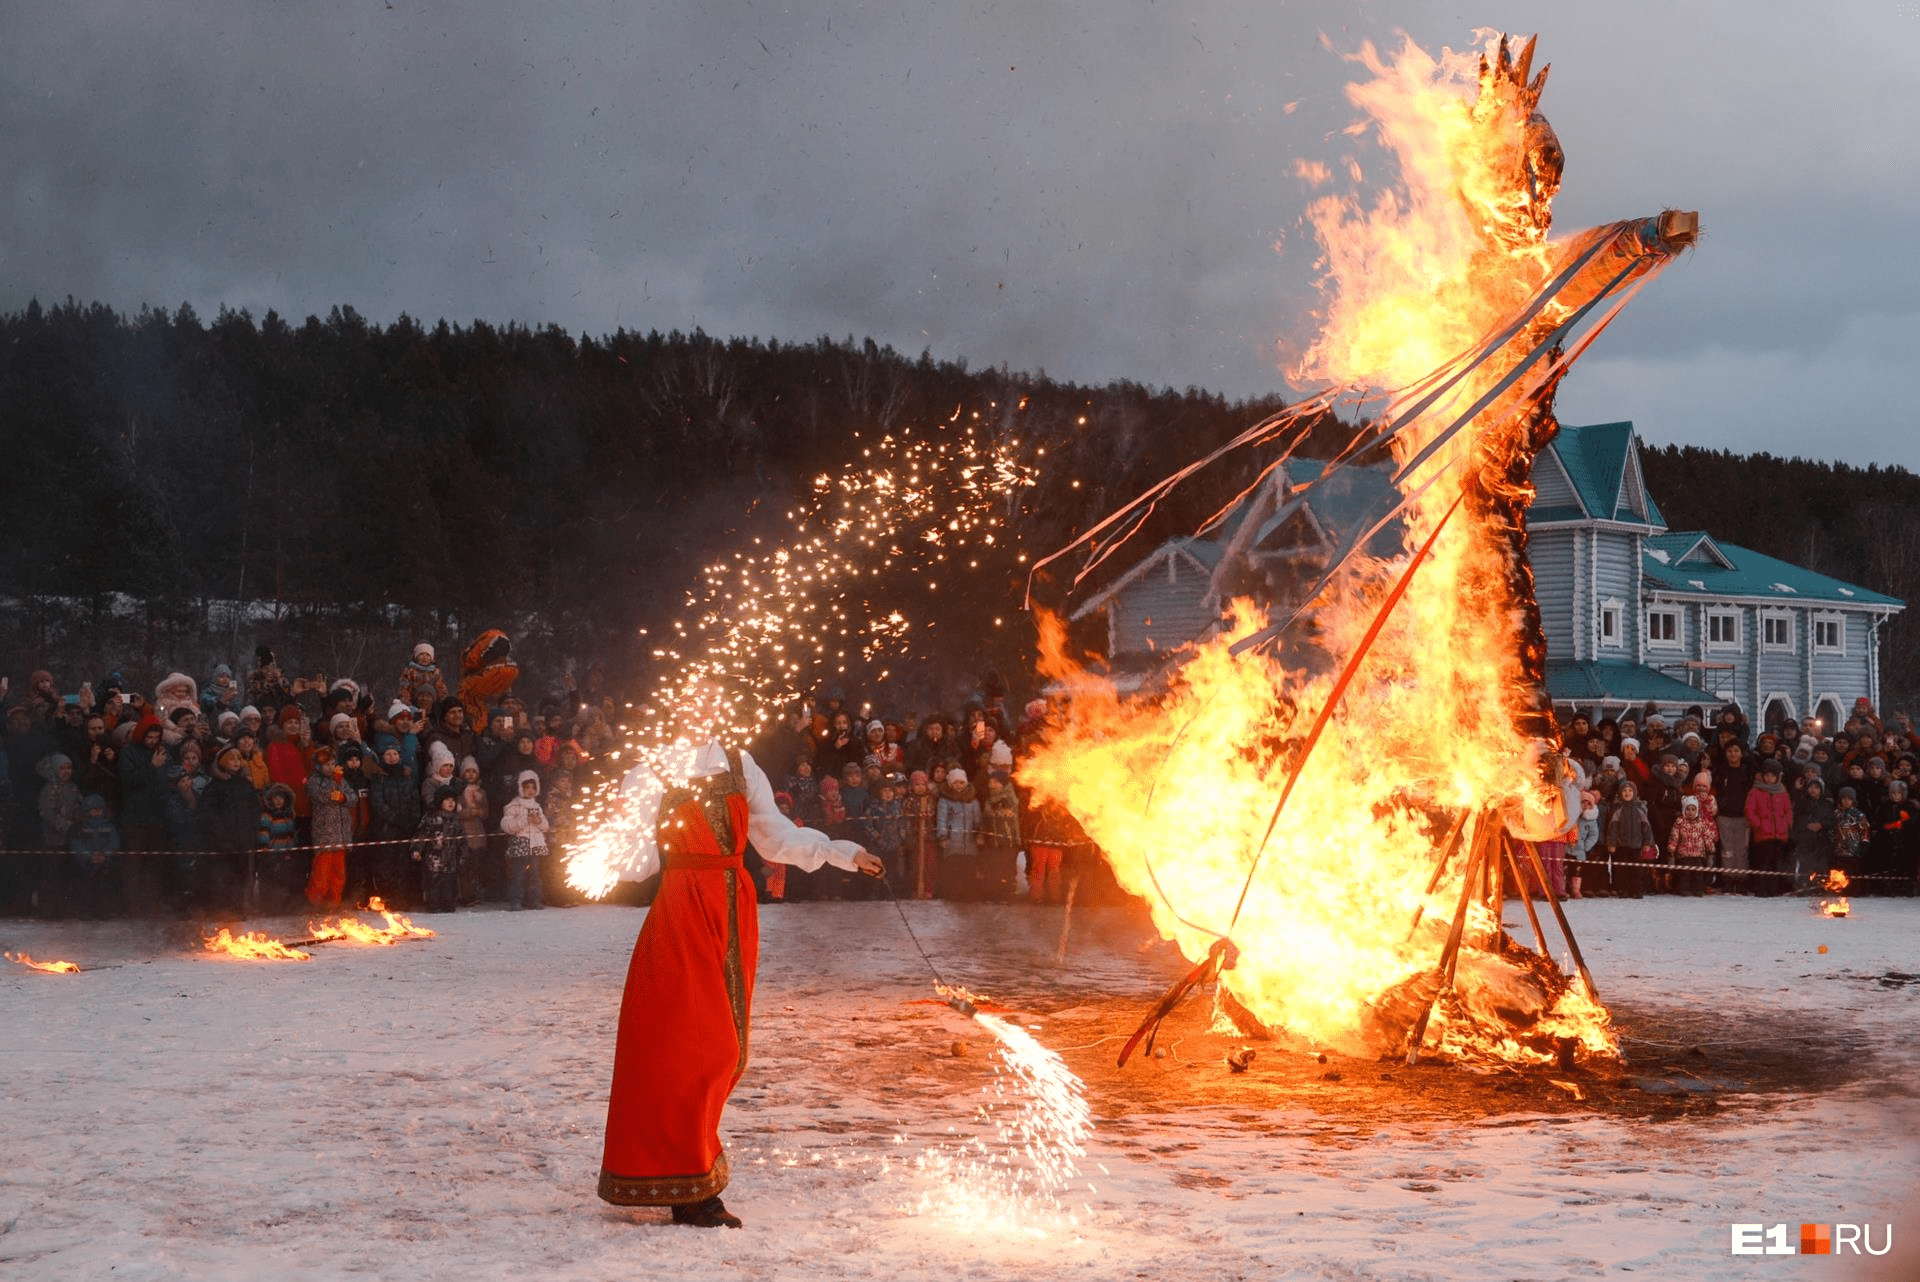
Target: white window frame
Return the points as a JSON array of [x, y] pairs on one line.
[[1839, 622], [1721, 615], [1679, 638], [1785, 619], [1616, 608]]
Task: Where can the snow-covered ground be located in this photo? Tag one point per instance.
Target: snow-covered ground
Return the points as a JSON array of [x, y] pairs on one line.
[[433, 1110]]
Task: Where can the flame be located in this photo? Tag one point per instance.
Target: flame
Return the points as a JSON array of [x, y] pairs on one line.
[[252, 945], [52, 967], [353, 930], [1838, 906], [1179, 789]]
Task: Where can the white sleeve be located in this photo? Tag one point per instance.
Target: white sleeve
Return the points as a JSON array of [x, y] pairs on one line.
[[781, 840]]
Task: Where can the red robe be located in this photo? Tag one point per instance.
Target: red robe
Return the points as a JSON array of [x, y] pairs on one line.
[[683, 1021]]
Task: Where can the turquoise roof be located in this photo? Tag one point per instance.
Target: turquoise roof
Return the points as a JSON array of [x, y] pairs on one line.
[[1348, 501], [1595, 458], [1752, 574], [1615, 681]]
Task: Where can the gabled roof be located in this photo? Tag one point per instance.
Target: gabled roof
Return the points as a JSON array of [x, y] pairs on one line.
[[1693, 564], [1203, 553], [1615, 681], [1604, 467], [1345, 503]]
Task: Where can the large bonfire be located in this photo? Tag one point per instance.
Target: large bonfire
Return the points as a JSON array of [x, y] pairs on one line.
[[1342, 793]]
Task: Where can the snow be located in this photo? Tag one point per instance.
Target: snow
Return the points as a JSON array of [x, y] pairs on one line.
[[432, 1110]]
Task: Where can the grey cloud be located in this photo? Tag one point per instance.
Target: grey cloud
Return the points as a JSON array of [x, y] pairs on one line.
[[1092, 188]]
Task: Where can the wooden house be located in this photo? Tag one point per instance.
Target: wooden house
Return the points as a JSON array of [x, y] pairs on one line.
[[1634, 613]]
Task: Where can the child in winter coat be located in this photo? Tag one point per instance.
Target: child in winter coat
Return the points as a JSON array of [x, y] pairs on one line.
[[436, 849], [441, 773], [774, 875], [59, 801], [334, 801], [421, 683], [957, 826], [885, 828], [473, 822], [526, 827], [1586, 841], [1628, 839], [1769, 813], [920, 809], [999, 837], [1852, 830], [95, 845], [805, 791], [276, 865], [396, 817], [1691, 842]]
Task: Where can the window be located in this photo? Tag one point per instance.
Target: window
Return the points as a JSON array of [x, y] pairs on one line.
[[1723, 630], [1610, 623], [1663, 628], [1776, 631], [1829, 634]]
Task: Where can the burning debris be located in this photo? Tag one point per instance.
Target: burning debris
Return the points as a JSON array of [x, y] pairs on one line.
[[1341, 799], [1835, 904], [354, 931], [252, 945], [50, 967]]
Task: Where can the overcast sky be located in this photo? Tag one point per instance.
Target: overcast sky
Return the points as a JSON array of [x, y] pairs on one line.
[[1093, 188]]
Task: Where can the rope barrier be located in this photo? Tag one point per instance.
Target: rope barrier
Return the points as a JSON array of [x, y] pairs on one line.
[[254, 850]]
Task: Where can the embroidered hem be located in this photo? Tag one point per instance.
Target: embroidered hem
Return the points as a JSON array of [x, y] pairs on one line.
[[664, 1190]]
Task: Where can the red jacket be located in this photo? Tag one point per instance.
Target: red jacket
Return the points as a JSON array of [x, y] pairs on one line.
[[1770, 814]]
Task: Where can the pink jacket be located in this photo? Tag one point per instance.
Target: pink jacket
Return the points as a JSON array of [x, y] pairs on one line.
[[1770, 814]]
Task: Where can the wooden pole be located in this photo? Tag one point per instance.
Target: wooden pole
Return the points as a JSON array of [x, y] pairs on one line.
[[1447, 849], [1526, 895], [1559, 915], [1066, 922], [1450, 954]]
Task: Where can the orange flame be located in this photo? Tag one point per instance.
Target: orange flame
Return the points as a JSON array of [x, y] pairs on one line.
[[1179, 789], [353, 930], [252, 946], [52, 967]]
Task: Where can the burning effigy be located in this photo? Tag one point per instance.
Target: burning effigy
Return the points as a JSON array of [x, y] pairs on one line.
[[1324, 810]]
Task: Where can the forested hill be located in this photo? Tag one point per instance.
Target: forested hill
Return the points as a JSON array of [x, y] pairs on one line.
[[504, 472], [495, 473]]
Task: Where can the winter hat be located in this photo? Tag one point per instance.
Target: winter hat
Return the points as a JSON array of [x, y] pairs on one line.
[[381, 742], [526, 777], [250, 711], [1690, 803], [228, 721], [830, 784], [1703, 780], [1626, 744], [1847, 794], [466, 763], [783, 799], [346, 684], [444, 792], [340, 722], [1000, 755], [956, 775], [181, 713], [290, 714], [397, 709], [1610, 763], [1768, 766], [50, 765], [876, 728], [438, 754], [423, 652], [918, 776]]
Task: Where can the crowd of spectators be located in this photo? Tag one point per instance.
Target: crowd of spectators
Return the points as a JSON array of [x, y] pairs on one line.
[[270, 792], [1698, 806], [273, 791]]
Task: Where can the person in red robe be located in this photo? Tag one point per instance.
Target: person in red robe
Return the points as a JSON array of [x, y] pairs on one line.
[[682, 1044]]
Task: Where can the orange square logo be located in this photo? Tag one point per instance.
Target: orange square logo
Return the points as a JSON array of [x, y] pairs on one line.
[[1816, 1239]]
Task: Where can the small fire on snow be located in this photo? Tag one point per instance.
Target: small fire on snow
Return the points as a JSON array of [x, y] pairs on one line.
[[1837, 906], [353, 930], [51, 967], [252, 945]]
